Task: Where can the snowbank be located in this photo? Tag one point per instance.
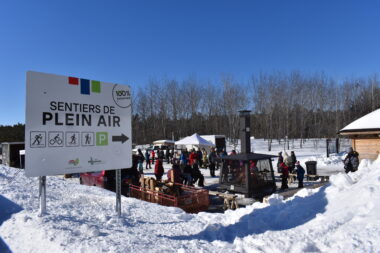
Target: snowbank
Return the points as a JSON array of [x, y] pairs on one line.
[[340, 217]]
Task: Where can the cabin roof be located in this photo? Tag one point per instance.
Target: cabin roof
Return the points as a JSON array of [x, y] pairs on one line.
[[368, 123]]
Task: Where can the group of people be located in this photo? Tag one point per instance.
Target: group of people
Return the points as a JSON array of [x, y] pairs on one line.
[[288, 165], [187, 174], [187, 164], [211, 160], [153, 155]]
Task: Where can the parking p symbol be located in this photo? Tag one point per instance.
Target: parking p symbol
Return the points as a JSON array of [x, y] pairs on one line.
[[101, 138]]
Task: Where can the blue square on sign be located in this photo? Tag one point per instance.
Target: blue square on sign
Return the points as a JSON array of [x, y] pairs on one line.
[[85, 86]]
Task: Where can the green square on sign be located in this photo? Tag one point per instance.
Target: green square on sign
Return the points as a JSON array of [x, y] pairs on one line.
[[101, 138], [95, 86]]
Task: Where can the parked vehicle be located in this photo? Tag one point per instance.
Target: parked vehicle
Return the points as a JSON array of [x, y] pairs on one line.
[[250, 174], [106, 178], [163, 144]]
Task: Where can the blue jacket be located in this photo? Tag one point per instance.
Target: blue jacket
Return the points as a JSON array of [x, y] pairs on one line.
[[300, 172], [183, 158]]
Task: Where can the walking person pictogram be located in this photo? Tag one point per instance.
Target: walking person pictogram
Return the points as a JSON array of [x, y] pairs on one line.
[[88, 139], [73, 139]]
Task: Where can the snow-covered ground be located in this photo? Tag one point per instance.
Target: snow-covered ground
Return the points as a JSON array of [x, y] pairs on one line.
[[342, 216]]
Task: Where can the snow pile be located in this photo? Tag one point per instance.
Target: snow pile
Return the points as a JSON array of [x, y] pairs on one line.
[[340, 217]]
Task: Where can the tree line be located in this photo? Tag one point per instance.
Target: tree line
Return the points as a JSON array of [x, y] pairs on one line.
[[12, 133], [293, 105]]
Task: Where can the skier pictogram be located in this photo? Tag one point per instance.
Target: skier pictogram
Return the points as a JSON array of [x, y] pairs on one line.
[[37, 139]]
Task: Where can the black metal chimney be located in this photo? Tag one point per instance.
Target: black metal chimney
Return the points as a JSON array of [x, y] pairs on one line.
[[245, 131]]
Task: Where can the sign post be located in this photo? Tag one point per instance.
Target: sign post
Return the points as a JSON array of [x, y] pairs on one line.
[[42, 194], [75, 125], [118, 192]]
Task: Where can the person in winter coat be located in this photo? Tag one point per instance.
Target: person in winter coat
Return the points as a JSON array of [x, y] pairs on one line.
[[192, 157], [174, 174], [140, 161], [183, 158], [197, 175], [284, 176], [300, 174], [166, 153], [158, 169], [147, 159], [212, 157], [223, 153], [199, 157], [187, 172], [280, 160], [204, 158], [287, 159], [351, 162], [152, 155], [293, 161], [161, 154]]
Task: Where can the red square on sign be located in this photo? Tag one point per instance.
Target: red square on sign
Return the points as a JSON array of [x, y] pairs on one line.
[[73, 80]]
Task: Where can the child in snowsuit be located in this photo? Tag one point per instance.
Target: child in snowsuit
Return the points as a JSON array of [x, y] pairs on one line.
[[300, 174]]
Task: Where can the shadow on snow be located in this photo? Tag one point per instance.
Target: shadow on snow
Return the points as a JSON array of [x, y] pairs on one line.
[[277, 217], [7, 209]]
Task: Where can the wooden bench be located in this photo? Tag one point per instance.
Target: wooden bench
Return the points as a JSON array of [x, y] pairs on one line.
[[315, 177]]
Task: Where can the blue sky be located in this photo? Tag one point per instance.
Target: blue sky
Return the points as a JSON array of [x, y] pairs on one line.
[[130, 42]]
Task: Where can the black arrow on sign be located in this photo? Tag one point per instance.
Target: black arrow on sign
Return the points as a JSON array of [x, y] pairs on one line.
[[121, 138]]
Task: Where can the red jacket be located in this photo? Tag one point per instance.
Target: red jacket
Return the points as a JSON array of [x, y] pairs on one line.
[[192, 158], [158, 168], [284, 170]]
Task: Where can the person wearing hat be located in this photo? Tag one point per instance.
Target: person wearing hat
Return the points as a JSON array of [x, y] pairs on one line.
[[280, 160], [300, 174]]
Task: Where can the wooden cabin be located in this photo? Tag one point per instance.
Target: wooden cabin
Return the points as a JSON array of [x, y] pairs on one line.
[[365, 135]]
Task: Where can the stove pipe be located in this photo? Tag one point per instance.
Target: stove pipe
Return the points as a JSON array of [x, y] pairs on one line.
[[245, 131]]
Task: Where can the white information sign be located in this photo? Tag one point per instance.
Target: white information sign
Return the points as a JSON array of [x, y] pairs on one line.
[[76, 125]]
